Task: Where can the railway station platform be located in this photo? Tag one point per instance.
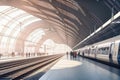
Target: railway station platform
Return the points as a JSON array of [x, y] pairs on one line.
[[8, 59], [81, 69]]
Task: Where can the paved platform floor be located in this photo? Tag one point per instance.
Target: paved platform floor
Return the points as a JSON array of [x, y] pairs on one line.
[[81, 69]]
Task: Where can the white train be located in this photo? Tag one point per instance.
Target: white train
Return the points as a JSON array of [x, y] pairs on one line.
[[107, 50]]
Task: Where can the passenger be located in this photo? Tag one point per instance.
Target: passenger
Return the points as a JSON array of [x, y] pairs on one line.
[[0, 55], [13, 54], [29, 54], [71, 55], [66, 53], [79, 53], [75, 54]]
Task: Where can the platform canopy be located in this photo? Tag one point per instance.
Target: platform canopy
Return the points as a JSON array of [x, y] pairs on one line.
[[63, 21]]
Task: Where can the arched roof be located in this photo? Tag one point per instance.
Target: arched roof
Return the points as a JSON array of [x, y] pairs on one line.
[[74, 20]]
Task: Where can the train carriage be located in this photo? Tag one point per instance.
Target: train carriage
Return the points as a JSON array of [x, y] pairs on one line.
[[107, 50]]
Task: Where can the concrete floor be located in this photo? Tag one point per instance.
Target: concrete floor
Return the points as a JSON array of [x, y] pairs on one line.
[[81, 69]]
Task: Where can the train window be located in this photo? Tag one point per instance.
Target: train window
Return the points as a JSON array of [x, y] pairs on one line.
[[103, 50], [107, 50], [99, 50]]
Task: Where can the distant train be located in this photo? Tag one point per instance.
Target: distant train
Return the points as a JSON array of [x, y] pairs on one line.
[[107, 50]]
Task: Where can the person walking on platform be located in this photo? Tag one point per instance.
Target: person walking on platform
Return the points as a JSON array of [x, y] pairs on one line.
[[74, 54]]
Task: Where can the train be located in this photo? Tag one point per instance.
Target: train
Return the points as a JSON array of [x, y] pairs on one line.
[[107, 50]]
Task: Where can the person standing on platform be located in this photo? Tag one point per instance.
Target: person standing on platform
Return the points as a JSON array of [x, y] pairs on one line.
[[0, 55], [79, 53], [29, 54], [13, 54], [71, 54], [67, 54]]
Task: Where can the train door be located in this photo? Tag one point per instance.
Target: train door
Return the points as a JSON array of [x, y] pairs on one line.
[[111, 52], [118, 56]]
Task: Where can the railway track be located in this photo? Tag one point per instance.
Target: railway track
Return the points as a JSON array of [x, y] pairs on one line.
[[16, 70]]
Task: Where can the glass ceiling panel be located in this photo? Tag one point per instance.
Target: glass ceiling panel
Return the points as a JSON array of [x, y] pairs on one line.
[[4, 41], [4, 20], [17, 27], [16, 13], [19, 18], [2, 8], [12, 20], [31, 21], [20, 21], [8, 16], [1, 27], [6, 12], [36, 35], [16, 33]]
